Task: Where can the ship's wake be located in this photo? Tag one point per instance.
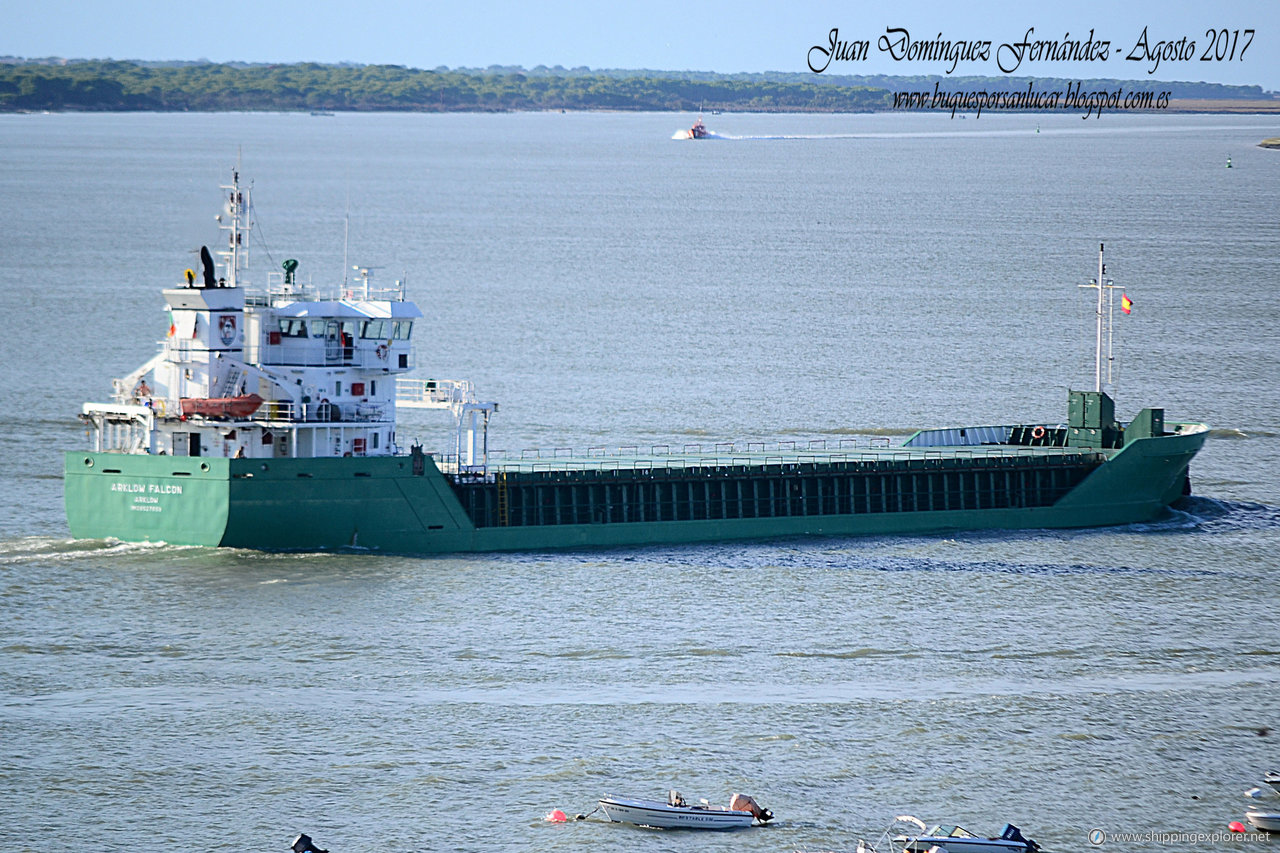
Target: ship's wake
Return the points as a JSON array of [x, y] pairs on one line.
[[949, 134], [1210, 515], [684, 134], [27, 549], [797, 136]]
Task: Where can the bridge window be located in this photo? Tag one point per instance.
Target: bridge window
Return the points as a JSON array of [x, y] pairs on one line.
[[376, 330]]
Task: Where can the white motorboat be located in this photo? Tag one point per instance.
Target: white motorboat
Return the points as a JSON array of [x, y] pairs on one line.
[[947, 838], [675, 813], [1264, 817], [1269, 821]]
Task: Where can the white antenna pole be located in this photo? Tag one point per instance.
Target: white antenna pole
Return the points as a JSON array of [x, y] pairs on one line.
[[346, 234], [1111, 335], [1097, 357], [237, 213], [236, 254]]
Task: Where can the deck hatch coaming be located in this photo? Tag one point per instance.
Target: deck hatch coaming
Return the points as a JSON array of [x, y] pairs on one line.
[[531, 499]]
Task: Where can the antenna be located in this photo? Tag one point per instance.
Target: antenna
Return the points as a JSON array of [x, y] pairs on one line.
[[1103, 283], [1097, 358], [346, 234], [236, 255]]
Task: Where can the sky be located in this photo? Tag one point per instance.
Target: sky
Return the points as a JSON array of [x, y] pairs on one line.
[[726, 37]]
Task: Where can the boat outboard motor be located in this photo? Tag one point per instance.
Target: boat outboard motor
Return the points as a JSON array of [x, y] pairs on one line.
[[1012, 833], [743, 803], [302, 844], [206, 262]]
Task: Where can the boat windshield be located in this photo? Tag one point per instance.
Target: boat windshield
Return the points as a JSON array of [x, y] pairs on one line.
[[945, 831]]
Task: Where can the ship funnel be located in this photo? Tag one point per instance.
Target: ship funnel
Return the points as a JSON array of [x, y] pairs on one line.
[[206, 261]]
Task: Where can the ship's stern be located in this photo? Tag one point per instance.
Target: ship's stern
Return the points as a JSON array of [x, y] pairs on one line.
[[181, 500]]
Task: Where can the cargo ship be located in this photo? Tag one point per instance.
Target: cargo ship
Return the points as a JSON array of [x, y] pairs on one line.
[[267, 420]]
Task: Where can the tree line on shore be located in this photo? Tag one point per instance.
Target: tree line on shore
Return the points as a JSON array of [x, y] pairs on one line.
[[109, 85]]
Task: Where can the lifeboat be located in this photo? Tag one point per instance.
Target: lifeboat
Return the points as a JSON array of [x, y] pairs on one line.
[[221, 407]]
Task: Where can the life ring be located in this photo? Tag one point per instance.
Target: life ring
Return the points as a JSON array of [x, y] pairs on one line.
[[381, 351], [1037, 433]]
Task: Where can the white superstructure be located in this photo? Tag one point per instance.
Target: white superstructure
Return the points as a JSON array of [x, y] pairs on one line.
[[281, 371]]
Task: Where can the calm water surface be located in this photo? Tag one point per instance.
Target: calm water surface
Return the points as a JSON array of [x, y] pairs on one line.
[[607, 285]]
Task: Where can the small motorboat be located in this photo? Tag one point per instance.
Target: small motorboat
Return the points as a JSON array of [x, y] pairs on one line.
[[698, 131], [1265, 820], [675, 813], [1264, 817], [947, 838]]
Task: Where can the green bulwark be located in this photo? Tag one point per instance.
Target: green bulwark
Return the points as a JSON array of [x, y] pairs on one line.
[[1148, 424]]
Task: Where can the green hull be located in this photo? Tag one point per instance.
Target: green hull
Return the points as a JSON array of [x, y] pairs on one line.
[[405, 504]]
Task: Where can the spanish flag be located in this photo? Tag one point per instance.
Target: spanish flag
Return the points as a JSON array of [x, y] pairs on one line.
[[1126, 304]]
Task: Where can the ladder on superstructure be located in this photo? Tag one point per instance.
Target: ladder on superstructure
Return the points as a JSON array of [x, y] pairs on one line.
[[234, 374], [503, 519]]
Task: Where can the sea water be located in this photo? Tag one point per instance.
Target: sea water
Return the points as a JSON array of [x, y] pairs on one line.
[[803, 278]]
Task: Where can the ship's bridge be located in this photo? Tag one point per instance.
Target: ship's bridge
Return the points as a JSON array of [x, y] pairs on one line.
[[367, 334]]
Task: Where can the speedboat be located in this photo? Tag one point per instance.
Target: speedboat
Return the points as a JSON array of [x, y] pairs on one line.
[[948, 838], [1269, 821], [1259, 815], [698, 131], [675, 813]]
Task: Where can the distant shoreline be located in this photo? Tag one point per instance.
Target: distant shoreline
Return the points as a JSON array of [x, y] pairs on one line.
[[1197, 105], [1259, 108], [112, 86]]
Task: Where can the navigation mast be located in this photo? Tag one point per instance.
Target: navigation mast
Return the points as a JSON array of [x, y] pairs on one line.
[[236, 255], [1102, 283]]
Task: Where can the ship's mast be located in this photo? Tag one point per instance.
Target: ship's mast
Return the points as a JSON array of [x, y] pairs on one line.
[[236, 256], [1102, 283], [1097, 356]]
